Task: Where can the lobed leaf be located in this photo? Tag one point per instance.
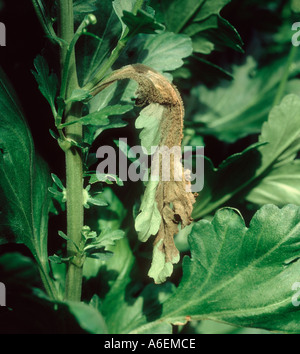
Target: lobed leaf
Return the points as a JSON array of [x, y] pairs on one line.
[[48, 82], [142, 22], [234, 270], [253, 89], [277, 149]]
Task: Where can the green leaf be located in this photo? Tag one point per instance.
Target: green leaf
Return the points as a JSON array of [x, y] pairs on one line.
[[142, 22], [87, 317], [233, 271], [78, 95], [253, 90], [123, 312], [210, 8], [162, 52], [101, 117], [97, 199], [119, 305], [295, 6], [219, 38], [147, 223], [95, 49], [178, 13], [82, 8], [24, 182], [119, 8], [282, 133], [48, 82], [278, 146], [57, 181], [106, 178], [109, 238], [225, 182], [280, 186], [109, 219]]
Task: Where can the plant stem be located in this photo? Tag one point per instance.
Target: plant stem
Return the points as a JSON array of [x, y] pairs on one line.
[[74, 167], [285, 76]]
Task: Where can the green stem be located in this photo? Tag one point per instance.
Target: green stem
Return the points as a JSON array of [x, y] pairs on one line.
[[74, 166], [285, 76], [70, 51]]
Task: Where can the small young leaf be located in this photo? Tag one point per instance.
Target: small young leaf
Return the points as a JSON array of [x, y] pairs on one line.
[[48, 82], [78, 95], [67, 238], [57, 181], [106, 178], [109, 237], [59, 260], [101, 117], [97, 200]]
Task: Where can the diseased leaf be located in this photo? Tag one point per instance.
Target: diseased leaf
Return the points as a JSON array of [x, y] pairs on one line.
[[161, 268], [147, 223], [149, 121], [173, 194]]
